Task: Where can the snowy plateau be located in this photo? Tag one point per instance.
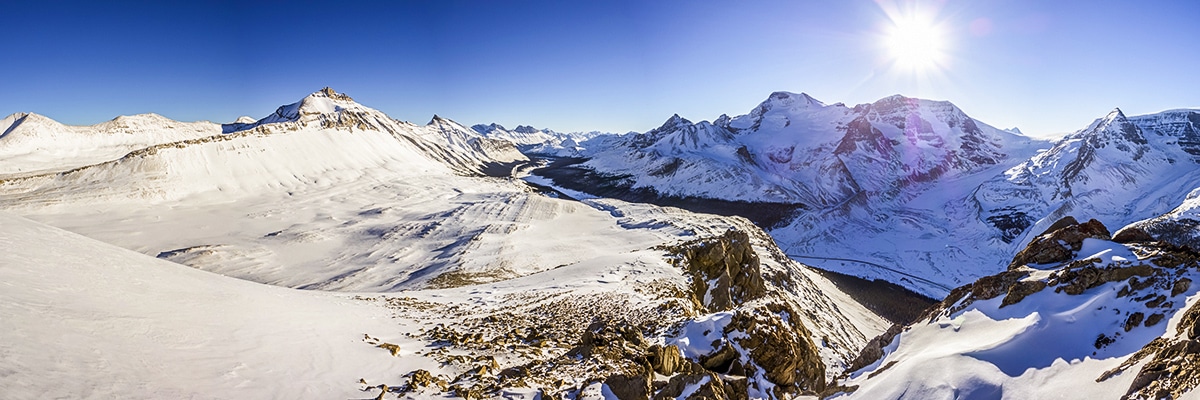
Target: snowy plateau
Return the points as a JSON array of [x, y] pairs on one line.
[[330, 251]]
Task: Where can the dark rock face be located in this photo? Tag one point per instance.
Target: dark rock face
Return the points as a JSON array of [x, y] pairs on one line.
[[1081, 276], [1060, 242], [874, 349], [629, 387], [1132, 234]]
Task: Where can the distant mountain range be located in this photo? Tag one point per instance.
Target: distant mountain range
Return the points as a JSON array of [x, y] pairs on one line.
[[909, 190]]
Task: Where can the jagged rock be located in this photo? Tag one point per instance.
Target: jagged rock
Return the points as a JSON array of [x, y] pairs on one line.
[[393, 348], [602, 339], [1134, 320], [1154, 319], [665, 359], [782, 349], [725, 270], [1075, 280], [1175, 368], [1059, 243], [720, 360], [1019, 290], [874, 349], [422, 378]]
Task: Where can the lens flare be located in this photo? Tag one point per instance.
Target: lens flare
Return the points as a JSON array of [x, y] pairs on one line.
[[915, 43]]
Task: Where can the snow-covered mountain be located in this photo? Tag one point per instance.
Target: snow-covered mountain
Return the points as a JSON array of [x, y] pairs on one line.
[[1118, 170], [324, 138], [32, 144], [874, 190], [465, 284], [795, 149], [908, 190], [536, 141]]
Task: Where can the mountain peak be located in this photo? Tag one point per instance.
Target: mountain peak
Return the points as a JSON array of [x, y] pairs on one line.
[[674, 122], [789, 98], [525, 129], [1115, 115], [487, 129], [330, 93]]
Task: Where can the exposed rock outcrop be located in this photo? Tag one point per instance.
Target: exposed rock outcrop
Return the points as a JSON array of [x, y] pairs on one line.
[[765, 335], [1060, 242], [725, 270]]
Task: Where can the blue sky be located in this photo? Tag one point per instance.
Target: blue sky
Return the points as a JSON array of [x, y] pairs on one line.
[[1045, 66]]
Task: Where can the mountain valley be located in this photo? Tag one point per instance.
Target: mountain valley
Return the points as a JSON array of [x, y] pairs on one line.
[[328, 250]]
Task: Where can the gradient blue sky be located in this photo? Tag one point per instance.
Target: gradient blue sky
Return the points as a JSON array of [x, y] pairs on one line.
[[1045, 66]]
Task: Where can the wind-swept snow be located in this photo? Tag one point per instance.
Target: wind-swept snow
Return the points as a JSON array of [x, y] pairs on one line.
[[85, 319]]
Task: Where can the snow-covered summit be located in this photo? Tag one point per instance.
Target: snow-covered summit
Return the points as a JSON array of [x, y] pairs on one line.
[[794, 148], [326, 108], [1118, 169], [33, 144]]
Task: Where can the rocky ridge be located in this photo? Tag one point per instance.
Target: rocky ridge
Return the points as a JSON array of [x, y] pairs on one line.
[[1140, 292]]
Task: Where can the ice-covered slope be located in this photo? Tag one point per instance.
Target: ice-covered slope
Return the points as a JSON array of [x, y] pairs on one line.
[[1101, 320], [32, 144]]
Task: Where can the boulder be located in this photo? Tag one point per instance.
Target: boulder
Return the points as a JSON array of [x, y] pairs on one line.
[[665, 359], [629, 386]]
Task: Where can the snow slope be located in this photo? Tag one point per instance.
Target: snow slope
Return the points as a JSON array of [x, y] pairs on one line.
[[1097, 326], [85, 319]]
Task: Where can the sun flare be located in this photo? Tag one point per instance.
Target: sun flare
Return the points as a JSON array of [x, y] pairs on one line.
[[915, 43]]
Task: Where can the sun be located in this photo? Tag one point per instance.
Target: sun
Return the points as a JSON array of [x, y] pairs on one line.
[[915, 43]]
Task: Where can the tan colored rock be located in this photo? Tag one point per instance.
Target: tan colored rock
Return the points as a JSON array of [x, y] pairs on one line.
[[784, 350], [665, 360], [711, 387], [725, 270]]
